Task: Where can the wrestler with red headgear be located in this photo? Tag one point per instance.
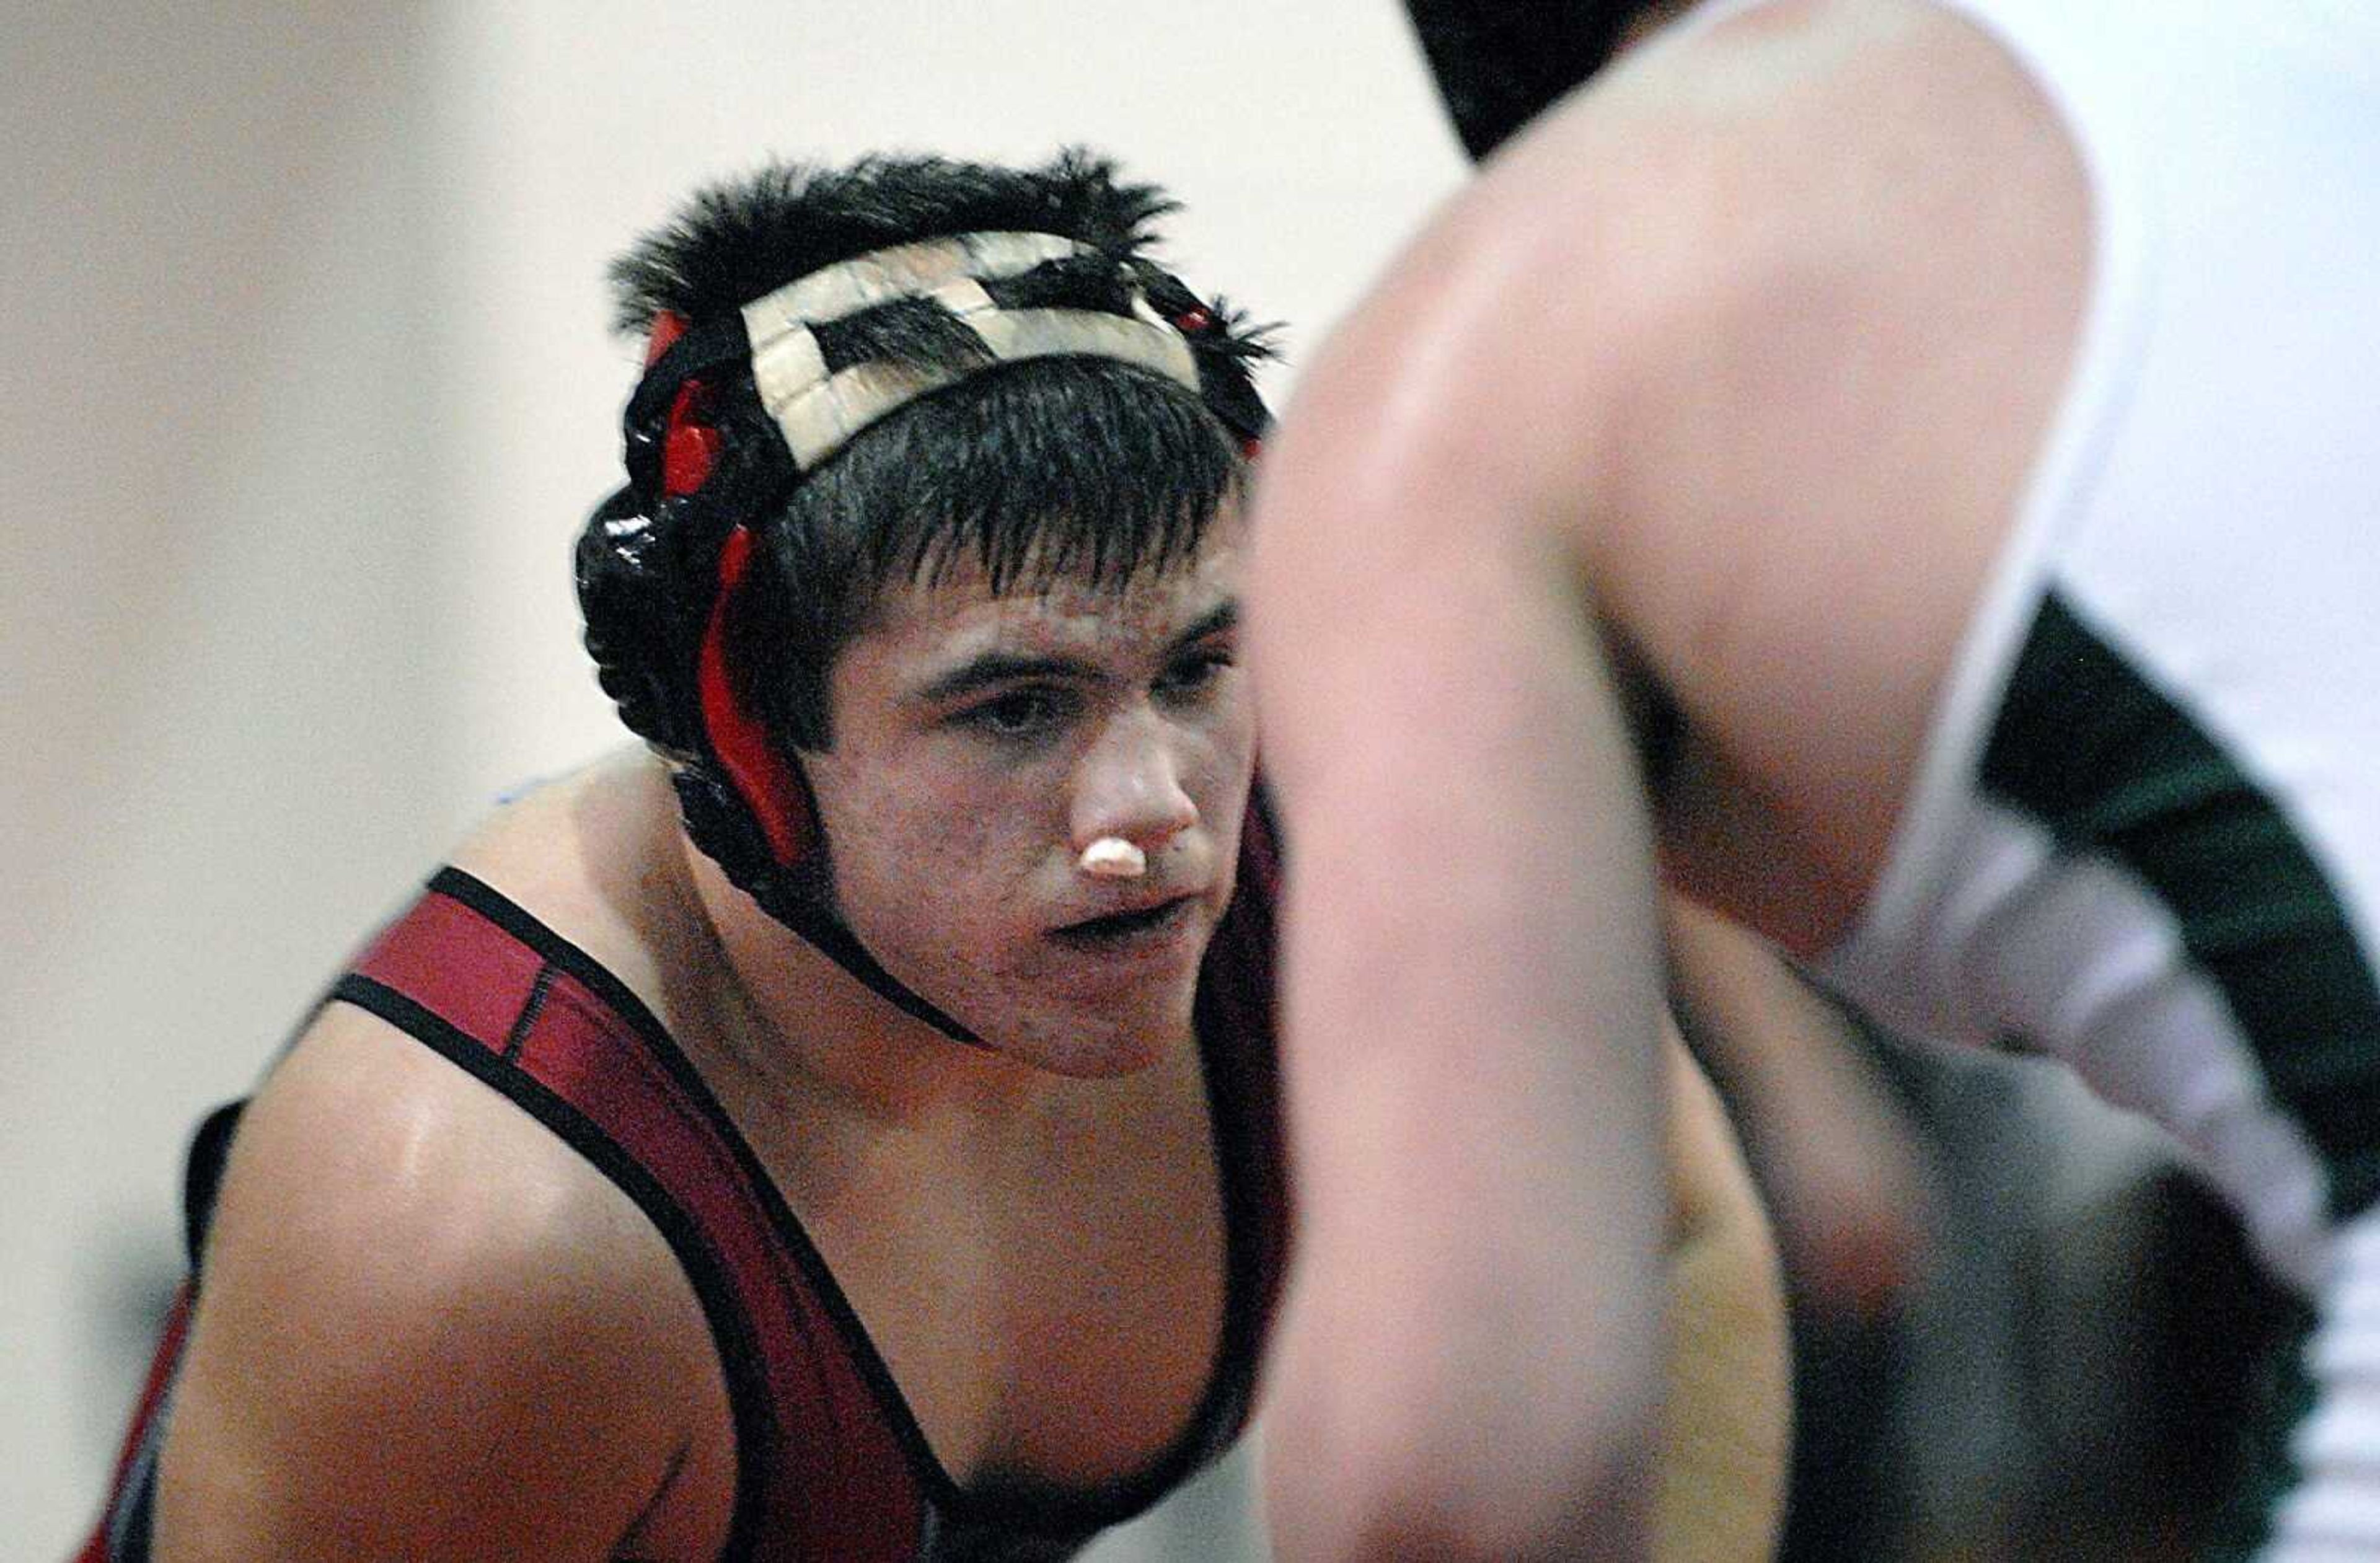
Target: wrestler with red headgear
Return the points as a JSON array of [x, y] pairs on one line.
[[843, 1129]]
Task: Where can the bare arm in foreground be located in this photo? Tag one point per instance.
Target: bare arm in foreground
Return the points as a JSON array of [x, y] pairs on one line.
[[1522, 1172], [1759, 310]]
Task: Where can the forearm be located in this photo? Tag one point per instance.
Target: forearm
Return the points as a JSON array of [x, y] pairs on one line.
[[1844, 1172], [1468, 1363], [1724, 1440]]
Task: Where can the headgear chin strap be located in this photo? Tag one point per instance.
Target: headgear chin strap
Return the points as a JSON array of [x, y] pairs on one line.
[[661, 562], [775, 799]]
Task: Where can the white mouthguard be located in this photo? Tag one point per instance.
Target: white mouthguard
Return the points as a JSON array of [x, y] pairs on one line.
[[1112, 858]]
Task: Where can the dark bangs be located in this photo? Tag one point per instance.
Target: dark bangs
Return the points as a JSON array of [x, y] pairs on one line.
[[1063, 470]]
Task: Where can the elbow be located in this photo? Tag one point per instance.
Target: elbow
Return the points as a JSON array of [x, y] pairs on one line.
[[1453, 1496], [1371, 1452]]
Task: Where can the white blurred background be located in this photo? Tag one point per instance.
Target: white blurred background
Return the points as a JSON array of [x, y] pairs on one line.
[[306, 389]]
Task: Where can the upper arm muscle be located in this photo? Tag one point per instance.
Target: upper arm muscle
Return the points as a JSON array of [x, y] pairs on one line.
[[425, 1330]]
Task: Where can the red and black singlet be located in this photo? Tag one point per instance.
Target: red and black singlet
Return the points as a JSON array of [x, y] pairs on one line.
[[830, 1463]]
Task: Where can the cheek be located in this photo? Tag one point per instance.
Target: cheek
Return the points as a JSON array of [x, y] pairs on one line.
[[923, 857]]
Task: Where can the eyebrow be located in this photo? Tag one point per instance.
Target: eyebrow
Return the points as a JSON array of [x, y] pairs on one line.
[[1222, 616], [991, 669]]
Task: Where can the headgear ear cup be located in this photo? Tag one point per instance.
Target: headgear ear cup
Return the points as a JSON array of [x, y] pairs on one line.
[[624, 600], [641, 575], [646, 640], [658, 639], [629, 565]]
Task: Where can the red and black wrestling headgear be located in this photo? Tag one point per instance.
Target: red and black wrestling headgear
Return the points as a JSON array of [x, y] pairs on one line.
[[798, 321]]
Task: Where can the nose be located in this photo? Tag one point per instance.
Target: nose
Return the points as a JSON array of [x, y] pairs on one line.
[[1130, 786]]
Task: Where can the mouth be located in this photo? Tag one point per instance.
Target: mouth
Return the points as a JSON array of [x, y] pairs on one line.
[[1123, 932]]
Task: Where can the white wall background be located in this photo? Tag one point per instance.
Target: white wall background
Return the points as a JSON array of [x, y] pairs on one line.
[[305, 391]]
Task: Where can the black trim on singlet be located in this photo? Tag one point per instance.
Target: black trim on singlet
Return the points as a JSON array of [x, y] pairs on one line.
[[130, 1516], [550, 946], [1046, 1510], [2111, 766], [202, 1172], [741, 1360]]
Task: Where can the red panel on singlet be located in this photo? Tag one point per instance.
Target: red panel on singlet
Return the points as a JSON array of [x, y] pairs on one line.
[[446, 957], [821, 1472]]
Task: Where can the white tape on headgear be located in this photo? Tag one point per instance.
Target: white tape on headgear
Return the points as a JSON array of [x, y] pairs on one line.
[[820, 412]]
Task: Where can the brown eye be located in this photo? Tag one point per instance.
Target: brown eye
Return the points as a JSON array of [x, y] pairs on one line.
[[1193, 674], [1020, 714]]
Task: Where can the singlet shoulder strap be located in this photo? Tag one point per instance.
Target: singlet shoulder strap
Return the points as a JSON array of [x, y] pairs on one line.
[[474, 976]]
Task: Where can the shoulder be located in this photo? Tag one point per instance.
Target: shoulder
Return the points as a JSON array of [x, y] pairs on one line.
[[364, 1137], [1779, 297], [595, 856], [423, 1317], [1803, 163]]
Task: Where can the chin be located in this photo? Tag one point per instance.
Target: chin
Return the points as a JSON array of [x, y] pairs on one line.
[[1101, 1063], [1104, 1045]]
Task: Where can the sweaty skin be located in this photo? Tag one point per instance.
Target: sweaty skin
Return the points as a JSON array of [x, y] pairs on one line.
[[1704, 365]]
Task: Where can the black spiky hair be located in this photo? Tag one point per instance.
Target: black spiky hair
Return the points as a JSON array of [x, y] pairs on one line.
[[736, 240]]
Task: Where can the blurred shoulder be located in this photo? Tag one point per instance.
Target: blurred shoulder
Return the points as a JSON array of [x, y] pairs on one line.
[[1702, 220], [1734, 154]]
